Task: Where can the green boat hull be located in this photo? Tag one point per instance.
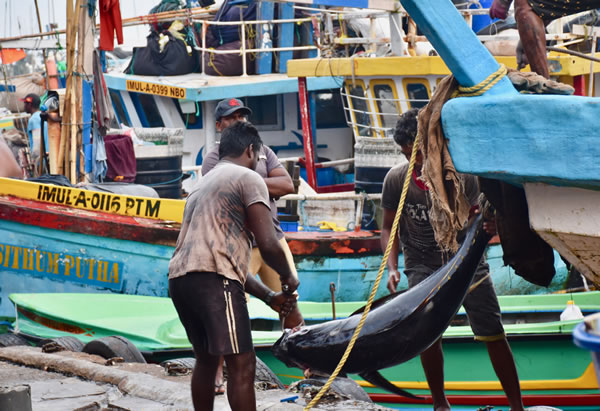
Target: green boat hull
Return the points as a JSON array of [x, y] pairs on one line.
[[551, 368]]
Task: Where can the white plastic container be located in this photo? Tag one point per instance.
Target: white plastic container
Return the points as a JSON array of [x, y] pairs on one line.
[[571, 312]]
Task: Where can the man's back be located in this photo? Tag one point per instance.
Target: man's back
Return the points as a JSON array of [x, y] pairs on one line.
[[214, 236]]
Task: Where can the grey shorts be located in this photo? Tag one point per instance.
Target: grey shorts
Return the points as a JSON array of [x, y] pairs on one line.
[[481, 304], [213, 312]]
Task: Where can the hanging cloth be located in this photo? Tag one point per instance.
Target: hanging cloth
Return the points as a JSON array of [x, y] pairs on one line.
[[110, 24], [104, 110]]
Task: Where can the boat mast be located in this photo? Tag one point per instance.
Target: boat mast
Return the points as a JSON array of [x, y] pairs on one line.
[[37, 11]]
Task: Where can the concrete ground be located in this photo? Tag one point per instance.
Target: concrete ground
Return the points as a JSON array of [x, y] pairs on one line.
[[77, 381]]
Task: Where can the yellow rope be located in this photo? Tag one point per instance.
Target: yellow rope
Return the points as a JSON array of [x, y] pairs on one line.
[[482, 87], [377, 281]]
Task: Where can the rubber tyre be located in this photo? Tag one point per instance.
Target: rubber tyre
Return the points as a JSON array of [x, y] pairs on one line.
[[67, 342], [264, 374], [187, 362], [11, 340], [341, 385], [114, 346]]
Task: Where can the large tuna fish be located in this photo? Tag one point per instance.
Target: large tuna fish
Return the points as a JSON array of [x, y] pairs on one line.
[[395, 331]]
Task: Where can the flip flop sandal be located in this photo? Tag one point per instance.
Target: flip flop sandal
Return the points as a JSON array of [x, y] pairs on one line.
[[219, 389]]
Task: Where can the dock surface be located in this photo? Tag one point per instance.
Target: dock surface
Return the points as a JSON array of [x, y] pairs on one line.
[[68, 380]]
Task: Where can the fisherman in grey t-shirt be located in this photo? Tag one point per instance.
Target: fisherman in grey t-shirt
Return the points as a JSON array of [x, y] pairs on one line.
[[208, 270]]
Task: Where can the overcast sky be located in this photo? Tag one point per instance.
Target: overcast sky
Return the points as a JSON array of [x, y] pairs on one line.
[[19, 17]]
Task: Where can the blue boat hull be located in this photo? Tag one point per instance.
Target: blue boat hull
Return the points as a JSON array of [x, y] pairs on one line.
[[36, 259], [354, 277]]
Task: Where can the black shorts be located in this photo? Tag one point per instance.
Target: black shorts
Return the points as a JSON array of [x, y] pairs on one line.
[[549, 10], [481, 304], [213, 312]]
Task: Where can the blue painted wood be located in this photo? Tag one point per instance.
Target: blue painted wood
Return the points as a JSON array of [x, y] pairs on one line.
[[142, 268], [505, 135], [526, 138], [456, 43], [264, 61], [354, 277], [11, 88], [286, 35]]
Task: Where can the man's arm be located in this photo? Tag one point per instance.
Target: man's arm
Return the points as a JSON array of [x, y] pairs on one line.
[[8, 164], [281, 302], [261, 224], [392, 263], [279, 183], [210, 160]]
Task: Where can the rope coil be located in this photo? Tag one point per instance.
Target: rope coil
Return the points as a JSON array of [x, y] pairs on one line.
[[386, 255]]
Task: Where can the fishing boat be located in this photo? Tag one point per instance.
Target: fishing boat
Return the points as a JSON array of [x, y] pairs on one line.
[[87, 233], [67, 239], [552, 370]]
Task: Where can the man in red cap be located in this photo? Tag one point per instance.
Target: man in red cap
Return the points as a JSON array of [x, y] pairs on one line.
[[34, 125]]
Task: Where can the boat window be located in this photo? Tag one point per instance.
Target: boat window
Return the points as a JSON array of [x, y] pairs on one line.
[[147, 109], [329, 109], [417, 92], [388, 108], [267, 111], [192, 121], [119, 106], [359, 108]]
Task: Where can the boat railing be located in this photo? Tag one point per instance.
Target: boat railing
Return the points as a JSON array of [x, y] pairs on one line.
[[374, 121], [265, 46], [352, 223], [325, 38]]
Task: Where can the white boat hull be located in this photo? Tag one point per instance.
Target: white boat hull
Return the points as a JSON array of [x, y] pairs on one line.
[[567, 219]]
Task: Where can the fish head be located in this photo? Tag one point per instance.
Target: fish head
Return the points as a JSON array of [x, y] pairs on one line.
[[286, 349]]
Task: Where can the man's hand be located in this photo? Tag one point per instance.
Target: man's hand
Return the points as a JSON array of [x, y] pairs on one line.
[[393, 280], [283, 303], [290, 284], [499, 9], [522, 60], [489, 226]]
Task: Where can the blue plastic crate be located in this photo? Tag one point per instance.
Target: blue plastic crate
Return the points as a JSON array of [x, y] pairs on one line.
[[289, 225]]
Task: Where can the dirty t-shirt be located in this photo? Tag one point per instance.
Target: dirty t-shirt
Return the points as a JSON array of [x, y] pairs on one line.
[[267, 162], [415, 231], [214, 236]]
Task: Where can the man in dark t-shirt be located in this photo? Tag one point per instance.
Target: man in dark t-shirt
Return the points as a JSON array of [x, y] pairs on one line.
[[423, 256]]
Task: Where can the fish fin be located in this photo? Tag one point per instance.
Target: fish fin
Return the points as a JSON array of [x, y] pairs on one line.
[[375, 378]]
